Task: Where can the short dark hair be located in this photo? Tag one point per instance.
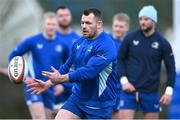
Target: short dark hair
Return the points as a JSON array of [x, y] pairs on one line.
[[61, 7], [94, 11]]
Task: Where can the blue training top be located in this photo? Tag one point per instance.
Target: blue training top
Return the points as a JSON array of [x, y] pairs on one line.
[[45, 53], [94, 74]]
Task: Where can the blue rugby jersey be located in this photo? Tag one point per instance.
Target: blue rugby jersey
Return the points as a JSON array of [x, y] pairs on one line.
[[45, 53], [94, 74], [143, 56], [70, 38]]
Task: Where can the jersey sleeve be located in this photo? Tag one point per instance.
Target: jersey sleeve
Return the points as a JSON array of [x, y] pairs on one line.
[[101, 60], [67, 65], [169, 62], [122, 55], [21, 48]]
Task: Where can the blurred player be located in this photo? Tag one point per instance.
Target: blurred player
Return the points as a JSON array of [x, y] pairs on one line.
[[143, 51], [174, 112], [46, 49], [120, 26], [63, 91], [93, 58]]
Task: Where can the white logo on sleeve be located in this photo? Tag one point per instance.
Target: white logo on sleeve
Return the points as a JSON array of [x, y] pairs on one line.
[[136, 42], [58, 48], [39, 46], [155, 45]]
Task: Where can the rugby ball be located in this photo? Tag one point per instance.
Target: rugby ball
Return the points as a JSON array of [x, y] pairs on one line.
[[17, 69]]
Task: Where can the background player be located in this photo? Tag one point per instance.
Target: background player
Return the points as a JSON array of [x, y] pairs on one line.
[[63, 91], [93, 58], [143, 51], [46, 49], [120, 27]]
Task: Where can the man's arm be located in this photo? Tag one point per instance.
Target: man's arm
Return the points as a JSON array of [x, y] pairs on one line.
[[21, 49], [169, 61], [122, 56]]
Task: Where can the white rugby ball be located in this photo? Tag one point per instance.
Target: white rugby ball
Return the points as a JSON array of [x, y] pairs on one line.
[[17, 69]]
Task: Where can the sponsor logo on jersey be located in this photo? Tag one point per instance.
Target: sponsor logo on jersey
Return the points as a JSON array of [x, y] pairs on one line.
[[135, 42], [78, 46], [39, 46]]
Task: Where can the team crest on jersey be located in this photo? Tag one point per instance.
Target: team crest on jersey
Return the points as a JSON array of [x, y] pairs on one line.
[[58, 48], [90, 48], [155, 45], [136, 42], [39, 46]]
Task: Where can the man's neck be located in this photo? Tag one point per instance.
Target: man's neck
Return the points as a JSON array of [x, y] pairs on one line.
[[147, 34], [64, 30], [97, 34], [117, 38], [48, 36]]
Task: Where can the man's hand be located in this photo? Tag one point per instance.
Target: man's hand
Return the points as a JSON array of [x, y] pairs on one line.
[[58, 90], [166, 99], [39, 86], [55, 76], [4, 71], [128, 87], [28, 80]]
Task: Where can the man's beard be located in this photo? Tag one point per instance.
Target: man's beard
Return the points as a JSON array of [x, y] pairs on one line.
[[148, 29], [92, 36], [64, 26]]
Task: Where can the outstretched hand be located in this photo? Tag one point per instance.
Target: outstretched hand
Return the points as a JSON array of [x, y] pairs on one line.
[[38, 86], [54, 76]]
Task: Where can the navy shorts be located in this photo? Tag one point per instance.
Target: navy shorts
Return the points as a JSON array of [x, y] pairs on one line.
[[87, 112], [145, 102]]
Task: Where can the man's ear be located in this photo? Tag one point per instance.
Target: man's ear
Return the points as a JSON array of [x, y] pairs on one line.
[[99, 24]]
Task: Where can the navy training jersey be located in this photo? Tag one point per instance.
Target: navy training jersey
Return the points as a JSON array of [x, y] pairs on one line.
[[45, 53], [143, 56], [94, 74]]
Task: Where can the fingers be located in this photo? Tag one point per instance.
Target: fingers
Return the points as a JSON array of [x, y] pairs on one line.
[[32, 85], [165, 100], [129, 87], [46, 74], [33, 91], [54, 69]]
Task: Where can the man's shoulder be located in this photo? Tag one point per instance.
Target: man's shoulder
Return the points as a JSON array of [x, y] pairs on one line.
[[75, 35], [33, 37]]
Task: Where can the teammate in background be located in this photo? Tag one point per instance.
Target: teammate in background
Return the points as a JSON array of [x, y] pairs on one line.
[[174, 112], [143, 51], [46, 49], [63, 91], [120, 27], [94, 59]]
